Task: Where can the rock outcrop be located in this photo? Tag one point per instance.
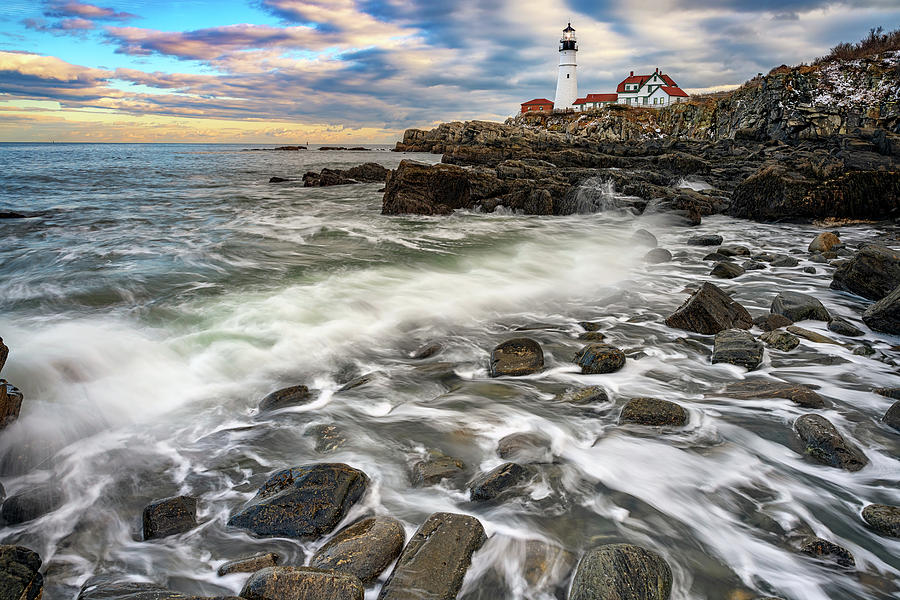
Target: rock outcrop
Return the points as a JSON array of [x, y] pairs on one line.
[[709, 310], [872, 273]]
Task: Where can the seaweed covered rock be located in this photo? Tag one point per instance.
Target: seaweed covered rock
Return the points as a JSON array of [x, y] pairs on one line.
[[709, 310], [825, 444], [883, 518], [517, 357], [654, 412], [827, 552], [621, 572], [596, 359]]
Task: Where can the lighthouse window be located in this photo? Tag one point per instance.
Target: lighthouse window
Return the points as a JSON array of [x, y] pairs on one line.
[[567, 75]]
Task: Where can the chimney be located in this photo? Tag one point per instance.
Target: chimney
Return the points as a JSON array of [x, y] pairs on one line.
[[657, 69], [632, 74]]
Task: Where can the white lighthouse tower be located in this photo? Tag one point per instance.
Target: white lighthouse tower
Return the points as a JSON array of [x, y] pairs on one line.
[[566, 83]]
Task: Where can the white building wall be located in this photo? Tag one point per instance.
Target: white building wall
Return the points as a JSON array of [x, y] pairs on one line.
[[566, 82]]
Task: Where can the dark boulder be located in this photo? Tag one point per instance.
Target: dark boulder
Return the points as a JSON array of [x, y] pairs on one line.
[[658, 256], [20, 578], [892, 417], [872, 273], [105, 588], [783, 260], [621, 572], [799, 307], [752, 265], [8, 214], [250, 564], [843, 327], [10, 403], [31, 504], [436, 468], [169, 516], [825, 444], [780, 340], [751, 389], [595, 359], [733, 250], [709, 239], [303, 502], [364, 549], [824, 242], [436, 559], [581, 396], [812, 336], [4, 353], [302, 583], [737, 347], [884, 315], [709, 310], [717, 257], [491, 485], [771, 322], [289, 396], [654, 412], [883, 518], [726, 270], [525, 447], [517, 357], [367, 173], [592, 336], [277, 179], [827, 551]]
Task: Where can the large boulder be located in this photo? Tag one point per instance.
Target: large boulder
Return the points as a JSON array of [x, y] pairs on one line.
[[891, 418], [20, 578], [726, 270], [250, 564], [169, 516], [751, 389], [595, 359], [424, 189], [872, 273], [827, 552], [654, 412], [621, 572], [31, 504], [303, 502], [824, 242], [799, 307], [289, 396], [435, 561], [707, 239], [842, 326], [825, 444], [517, 357], [780, 340], [364, 549], [435, 468], [884, 315], [737, 347], [709, 310], [10, 403], [883, 518], [302, 583], [490, 485], [104, 588]]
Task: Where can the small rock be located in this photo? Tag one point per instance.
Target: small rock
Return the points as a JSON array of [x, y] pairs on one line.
[[827, 551], [780, 340], [20, 577], [709, 310], [763, 257], [364, 549], [884, 315], [590, 325], [750, 389], [426, 351], [844, 327], [752, 265], [4, 353], [824, 242], [436, 468], [545, 564], [872, 273], [582, 396], [644, 238], [251, 564], [892, 417], [621, 572], [883, 518], [302, 583], [105, 588], [734, 250], [888, 392], [825, 444], [726, 270], [717, 257], [783, 260], [737, 347], [517, 357], [10, 403], [525, 447], [810, 270], [654, 412], [31, 504], [657, 256], [592, 336], [595, 359], [289, 396], [490, 485], [811, 335], [818, 258], [799, 307], [436, 559], [169, 516], [275, 179], [705, 240], [771, 322], [328, 437]]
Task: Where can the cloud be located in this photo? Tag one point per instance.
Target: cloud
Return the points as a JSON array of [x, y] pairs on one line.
[[71, 26], [85, 11]]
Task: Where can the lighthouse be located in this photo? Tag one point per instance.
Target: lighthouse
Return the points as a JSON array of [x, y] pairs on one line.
[[566, 83]]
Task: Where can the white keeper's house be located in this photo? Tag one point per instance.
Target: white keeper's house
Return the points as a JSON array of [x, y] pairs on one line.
[[650, 91]]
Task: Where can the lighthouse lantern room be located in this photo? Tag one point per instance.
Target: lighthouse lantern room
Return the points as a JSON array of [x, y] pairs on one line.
[[566, 82]]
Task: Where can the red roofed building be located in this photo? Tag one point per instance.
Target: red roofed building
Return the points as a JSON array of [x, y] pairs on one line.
[[537, 105], [592, 101], [653, 91]]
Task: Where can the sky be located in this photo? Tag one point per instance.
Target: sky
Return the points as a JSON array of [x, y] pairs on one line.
[[362, 71]]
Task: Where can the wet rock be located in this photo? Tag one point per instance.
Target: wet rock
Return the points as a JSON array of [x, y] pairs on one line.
[[582, 396], [250, 564], [726, 270], [763, 257], [825, 444], [621, 572], [102, 588], [426, 351], [737, 347], [328, 437], [658, 256], [490, 485], [592, 336], [811, 335], [783, 260], [872, 273], [525, 447], [364, 549], [595, 359], [275, 179], [843, 327], [436, 559], [799, 307], [709, 239], [752, 265], [888, 392], [810, 270], [517, 357], [709, 310], [302, 583], [8, 214], [750, 389], [435, 468], [289, 396], [20, 578], [303, 502], [733, 250], [169, 516], [884, 315], [31, 504], [771, 322], [824, 242], [892, 417], [654, 412], [10, 403], [883, 518], [644, 238], [780, 340], [546, 565], [4, 354], [590, 325], [716, 257], [827, 551]]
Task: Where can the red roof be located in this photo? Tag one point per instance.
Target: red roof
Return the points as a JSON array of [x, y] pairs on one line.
[[580, 101], [668, 80], [640, 79], [537, 101], [602, 97], [674, 91]]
